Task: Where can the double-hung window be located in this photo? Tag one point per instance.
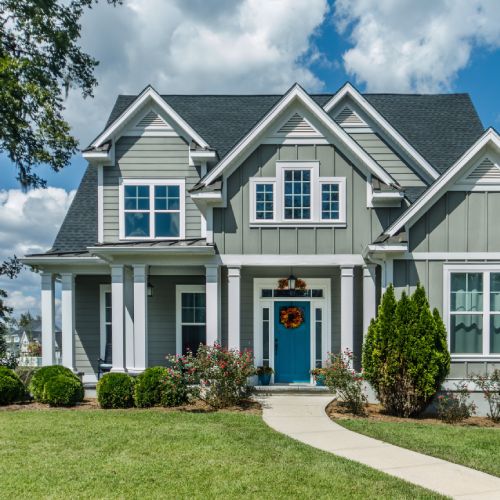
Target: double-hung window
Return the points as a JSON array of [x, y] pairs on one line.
[[297, 195], [474, 312], [152, 209]]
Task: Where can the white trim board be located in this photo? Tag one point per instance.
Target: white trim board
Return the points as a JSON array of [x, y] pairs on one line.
[[490, 137], [349, 91], [246, 145]]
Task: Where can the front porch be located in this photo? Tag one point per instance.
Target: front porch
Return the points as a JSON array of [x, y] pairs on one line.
[[130, 316]]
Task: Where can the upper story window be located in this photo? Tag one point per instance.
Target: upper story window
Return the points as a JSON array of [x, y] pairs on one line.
[[474, 312], [297, 194], [152, 209]]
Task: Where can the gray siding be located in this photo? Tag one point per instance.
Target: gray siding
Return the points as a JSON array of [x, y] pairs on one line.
[[459, 222], [232, 231], [148, 157], [161, 315], [87, 319]]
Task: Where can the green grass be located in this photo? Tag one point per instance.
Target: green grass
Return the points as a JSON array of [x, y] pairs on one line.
[[471, 446], [152, 454]]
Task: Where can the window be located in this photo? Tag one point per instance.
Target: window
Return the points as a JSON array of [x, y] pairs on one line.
[[474, 313], [152, 209], [106, 352], [297, 194], [191, 318], [318, 324], [265, 336]]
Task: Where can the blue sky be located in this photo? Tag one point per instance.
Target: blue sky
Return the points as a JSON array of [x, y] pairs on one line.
[[254, 46]]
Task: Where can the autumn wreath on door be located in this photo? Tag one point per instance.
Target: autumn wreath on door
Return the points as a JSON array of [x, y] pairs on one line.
[[291, 317]]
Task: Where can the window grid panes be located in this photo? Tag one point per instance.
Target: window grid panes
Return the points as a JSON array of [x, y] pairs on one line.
[[318, 323], [152, 211], [265, 336], [330, 201], [193, 320], [264, 201], [106, 356], [475, 313], [297, 194]]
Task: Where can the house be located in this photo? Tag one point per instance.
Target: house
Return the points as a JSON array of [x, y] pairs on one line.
[[274, 223]]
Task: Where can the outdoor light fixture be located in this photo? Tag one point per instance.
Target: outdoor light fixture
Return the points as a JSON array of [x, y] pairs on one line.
[[150, 289], [291, 282]]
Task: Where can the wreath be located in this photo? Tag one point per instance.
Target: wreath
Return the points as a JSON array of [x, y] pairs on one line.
[[291, 317]]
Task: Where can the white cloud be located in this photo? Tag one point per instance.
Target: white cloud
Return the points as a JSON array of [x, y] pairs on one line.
[[28, 224], [408, 45], [195, 46]]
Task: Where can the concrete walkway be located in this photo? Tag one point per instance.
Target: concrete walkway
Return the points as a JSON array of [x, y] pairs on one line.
[[303, 417]]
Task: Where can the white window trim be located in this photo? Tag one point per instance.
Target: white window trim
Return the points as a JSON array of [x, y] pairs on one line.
[[486, 269], [315, 302], [179, 290], [103, 289], [152, 183], [279, 205]]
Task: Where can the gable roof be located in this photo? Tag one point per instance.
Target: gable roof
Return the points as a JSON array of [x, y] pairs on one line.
[[439, 126]]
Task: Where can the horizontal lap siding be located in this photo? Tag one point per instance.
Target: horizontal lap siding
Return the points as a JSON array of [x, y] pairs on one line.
[[161, 315], [148, 157], [87, 322], [232, 231]]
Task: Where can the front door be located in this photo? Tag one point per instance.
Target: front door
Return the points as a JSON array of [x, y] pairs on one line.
[[292, 345]]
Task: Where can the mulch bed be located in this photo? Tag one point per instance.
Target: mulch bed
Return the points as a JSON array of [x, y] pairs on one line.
[[198, 406], [375, 412]]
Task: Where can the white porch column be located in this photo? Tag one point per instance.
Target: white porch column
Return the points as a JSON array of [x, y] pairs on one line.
[[369, 296], [117, 318], [347, 308], [68, 320], [128, 283], [140, 317], [48, 319], [212, 292], [233, 307]]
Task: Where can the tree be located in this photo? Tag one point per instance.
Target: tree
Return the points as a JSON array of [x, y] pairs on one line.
[[40, 60], [405, 354]]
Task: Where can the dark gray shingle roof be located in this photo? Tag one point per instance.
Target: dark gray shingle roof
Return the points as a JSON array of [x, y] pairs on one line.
[[441, 127]]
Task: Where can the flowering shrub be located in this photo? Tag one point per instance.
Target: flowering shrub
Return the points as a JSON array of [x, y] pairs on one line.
[[344, 382], [491, 392], [454, 406], [222, 374]]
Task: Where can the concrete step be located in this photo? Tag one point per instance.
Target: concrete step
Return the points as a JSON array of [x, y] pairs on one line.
[[291, 389]]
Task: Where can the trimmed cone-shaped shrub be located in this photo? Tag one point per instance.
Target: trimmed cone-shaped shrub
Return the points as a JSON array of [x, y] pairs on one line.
[[62, 390], [11, 387], [405, 353], [115, 390], [43, 375]]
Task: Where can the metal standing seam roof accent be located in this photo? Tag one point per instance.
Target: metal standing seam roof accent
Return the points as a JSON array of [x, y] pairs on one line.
[[440, 127]]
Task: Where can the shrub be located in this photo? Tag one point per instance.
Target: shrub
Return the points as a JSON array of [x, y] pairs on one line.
[[11, 387], [222, 373], [160, 386], [115, 390], [491, 392], [405, 353], [43, 375], [454, 406], [25, 373], [62, 390], [344, 382]]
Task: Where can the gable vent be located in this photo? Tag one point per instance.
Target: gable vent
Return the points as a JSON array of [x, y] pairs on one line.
[[152, 119], [486, 170], [297, 125], [348, 118]]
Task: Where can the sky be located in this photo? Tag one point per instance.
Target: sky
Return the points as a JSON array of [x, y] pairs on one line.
[[254, 46]]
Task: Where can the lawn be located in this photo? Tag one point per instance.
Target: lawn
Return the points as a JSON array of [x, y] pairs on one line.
[[149, 453], [471, 446]]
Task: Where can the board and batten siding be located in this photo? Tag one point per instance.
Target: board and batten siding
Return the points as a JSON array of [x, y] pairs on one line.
[[148, 158], [232, 231], [87, 322]]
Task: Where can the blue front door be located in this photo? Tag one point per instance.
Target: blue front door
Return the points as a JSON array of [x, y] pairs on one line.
[[292, 346]]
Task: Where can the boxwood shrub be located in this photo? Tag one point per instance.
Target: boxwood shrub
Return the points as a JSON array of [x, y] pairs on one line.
[[62, 390], [149, 387], [11, 387], [115, 390], [43, 375]]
